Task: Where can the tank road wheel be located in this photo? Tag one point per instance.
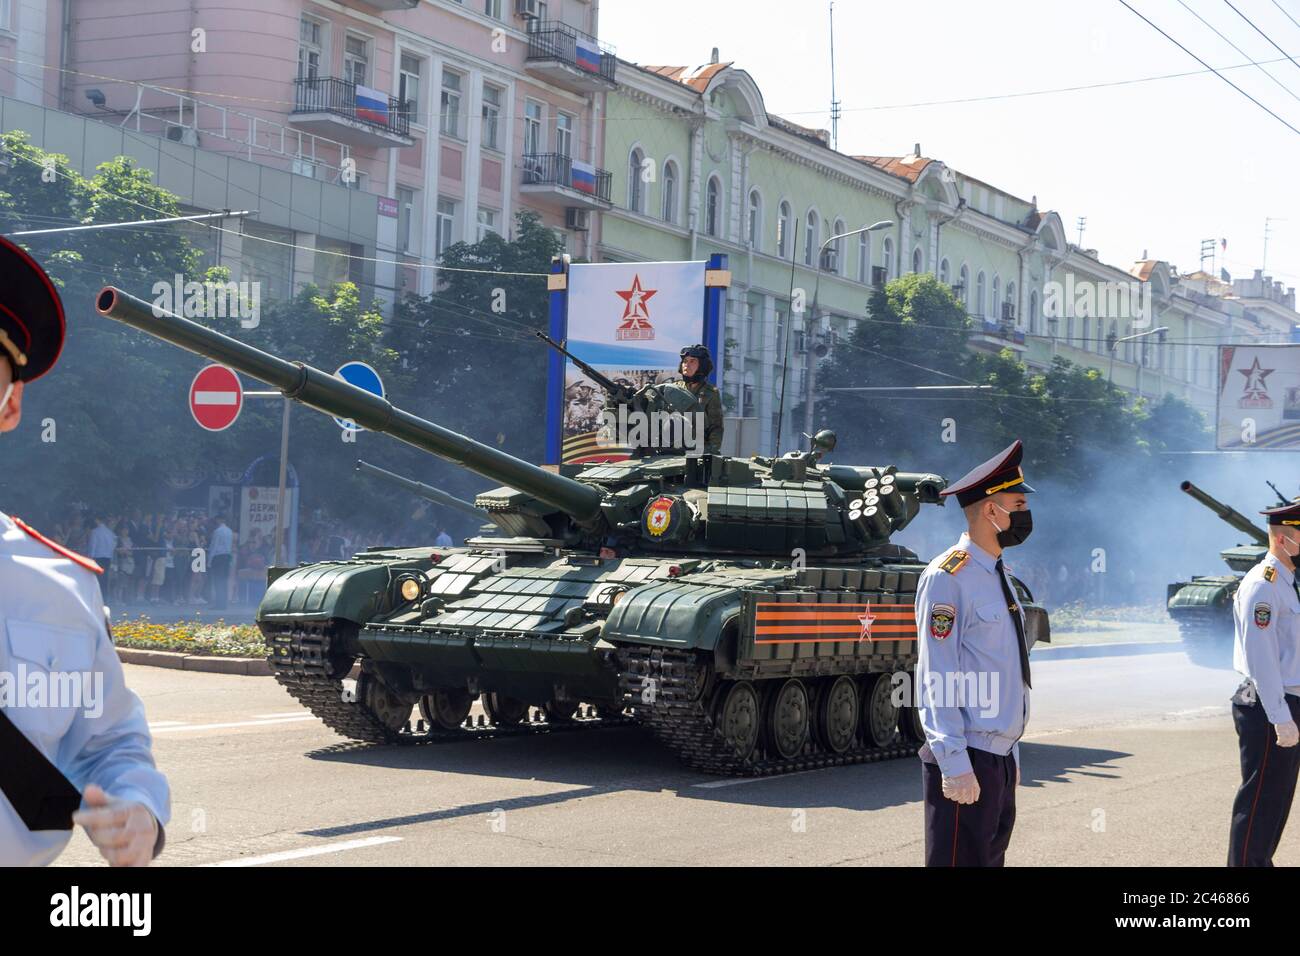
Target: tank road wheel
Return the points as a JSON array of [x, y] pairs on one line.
[[738, 718], [504, 710], [787, 719], [909, 722], [879, 715], [446, 707], [560, 711], [391, 709], [837, 715]]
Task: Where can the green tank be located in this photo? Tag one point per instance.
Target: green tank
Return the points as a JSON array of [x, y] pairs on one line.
[[1202, 607], [749, 612]]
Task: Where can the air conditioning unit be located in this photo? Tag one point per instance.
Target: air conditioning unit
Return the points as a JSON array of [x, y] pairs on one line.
[[878, 276], [577, 219], [1008, 311], [528, 9], [829, 259], [183, 134], [958, 289]]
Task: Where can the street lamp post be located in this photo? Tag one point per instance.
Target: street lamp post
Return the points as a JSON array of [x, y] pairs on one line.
[[1128, 338], [808, 425]]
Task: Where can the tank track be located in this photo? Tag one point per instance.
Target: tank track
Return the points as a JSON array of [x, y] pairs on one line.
[[681, 719], [301, 662]]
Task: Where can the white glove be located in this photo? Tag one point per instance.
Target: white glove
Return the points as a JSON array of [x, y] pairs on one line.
[[1287, 734], [963, 788]]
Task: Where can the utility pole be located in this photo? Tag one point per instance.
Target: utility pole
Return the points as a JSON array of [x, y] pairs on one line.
[[1082, 224], [835, 104]]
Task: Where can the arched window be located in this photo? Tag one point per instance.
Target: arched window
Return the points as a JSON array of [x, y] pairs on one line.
[[837, 264], [963, 280], [864, 257], [1011, 298], [916, 259], [811, 239], [1033, 313], [995, 304], [670, 192], [713, 207], [635, 184], [755, 217], [887, 254], [980, 288], [943, 271], [783, 231]]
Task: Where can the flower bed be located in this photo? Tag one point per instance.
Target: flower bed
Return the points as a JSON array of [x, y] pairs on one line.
[[190, 637]]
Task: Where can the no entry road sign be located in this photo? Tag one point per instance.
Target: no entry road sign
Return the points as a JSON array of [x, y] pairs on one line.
[[216, 398]]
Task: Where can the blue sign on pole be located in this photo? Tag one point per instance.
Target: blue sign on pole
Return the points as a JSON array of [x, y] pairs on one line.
[[362, 376]]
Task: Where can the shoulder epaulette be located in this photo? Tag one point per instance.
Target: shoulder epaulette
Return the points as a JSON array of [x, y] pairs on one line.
[[955, 561], [1270, 573], [71, 555]]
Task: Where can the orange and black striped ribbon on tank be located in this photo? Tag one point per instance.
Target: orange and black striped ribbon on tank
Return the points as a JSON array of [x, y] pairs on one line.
[[777, 623]]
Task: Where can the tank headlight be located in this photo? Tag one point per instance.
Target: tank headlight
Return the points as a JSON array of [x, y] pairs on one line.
[[410, 589]]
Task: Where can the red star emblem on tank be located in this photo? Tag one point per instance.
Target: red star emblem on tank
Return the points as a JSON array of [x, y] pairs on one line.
[[636, 315], [866, 619]]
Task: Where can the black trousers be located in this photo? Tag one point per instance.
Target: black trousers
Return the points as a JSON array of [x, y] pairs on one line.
[[220, 569], [973, 834], [1268, 778]]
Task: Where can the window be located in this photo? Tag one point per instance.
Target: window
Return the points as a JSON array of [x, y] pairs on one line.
[[356, 60], [670, 192], [491, 131], [943, 271], [837, 249], [408, 85], [994, 309], [635, 184], [810, 238], [310, 46], [783, 230], [916, 259], [1033, 313], [488, 221], [747, 409], [964, 295], [446, 225], [1011, 299], [713, 207], [888, 256], [405, 215], [564, 133], [755, 217], [980, 288], [533, 115], [492, 8], [450, 105], [864, 257]]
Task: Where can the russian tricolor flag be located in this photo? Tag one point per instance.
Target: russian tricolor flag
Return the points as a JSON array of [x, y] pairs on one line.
[[588, 55], [582, 177], [372, 105]]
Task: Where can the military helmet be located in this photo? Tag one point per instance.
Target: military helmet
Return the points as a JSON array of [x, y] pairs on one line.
[[700, 352]]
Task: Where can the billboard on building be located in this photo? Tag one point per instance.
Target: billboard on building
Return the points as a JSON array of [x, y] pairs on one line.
[[630, 321], [1258, 404]]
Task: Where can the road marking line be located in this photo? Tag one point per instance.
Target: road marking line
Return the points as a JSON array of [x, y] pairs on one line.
[[737, 781], [308, 851], [240, 723], [165, 723], [291, 713]]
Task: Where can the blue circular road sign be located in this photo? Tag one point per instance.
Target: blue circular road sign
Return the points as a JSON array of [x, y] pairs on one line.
[[362, 376]]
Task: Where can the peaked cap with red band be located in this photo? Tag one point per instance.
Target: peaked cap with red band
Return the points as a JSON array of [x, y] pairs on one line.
[[32, 325], [1000, 473]]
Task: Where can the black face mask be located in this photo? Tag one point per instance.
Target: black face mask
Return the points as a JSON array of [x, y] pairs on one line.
[[1022, 523]]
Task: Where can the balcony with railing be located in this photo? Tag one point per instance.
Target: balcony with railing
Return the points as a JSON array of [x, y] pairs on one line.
[[571, 182], [351, 113], [569, 58], [995, 334]]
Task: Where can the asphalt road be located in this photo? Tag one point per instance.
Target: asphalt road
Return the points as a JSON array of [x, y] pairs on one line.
[[1129, 760]]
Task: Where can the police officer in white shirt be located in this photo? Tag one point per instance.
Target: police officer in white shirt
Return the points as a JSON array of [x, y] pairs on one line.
[[973, 672], [79, 751], [1266, 706]]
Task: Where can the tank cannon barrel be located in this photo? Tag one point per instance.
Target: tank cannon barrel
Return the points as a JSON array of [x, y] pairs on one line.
[[1231, 515], [420, 489], [325, 393]]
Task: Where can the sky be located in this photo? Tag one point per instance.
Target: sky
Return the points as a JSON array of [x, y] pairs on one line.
[[1155, 166]]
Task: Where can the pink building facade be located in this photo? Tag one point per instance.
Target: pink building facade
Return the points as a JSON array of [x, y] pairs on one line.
[[453, 115]]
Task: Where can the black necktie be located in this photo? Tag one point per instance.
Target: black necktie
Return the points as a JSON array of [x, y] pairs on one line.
[[43, 797], [1020, 625]]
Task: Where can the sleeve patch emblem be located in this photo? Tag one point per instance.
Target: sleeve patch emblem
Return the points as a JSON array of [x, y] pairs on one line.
[[941, 618], [1263, 614], [953, 563], [1270, 573]]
